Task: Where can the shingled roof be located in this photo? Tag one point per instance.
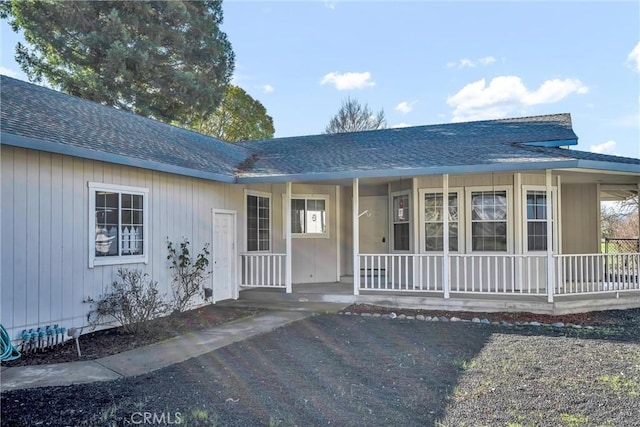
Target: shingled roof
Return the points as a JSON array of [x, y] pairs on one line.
[[43, 119], [40, 118]]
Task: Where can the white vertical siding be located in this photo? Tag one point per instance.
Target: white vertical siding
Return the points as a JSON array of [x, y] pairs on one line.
[[19, 245], [314, 259], [45, 236], [8, 180], [44, 251]]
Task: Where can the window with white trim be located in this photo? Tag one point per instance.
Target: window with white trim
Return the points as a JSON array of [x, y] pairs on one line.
[[400, 204], [536, 220], [434, 221], [258, 222], [309, 216], [489, 221], [118, 224]]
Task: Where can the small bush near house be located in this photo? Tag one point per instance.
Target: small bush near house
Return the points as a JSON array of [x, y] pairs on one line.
[[189, 274], [133, 301]]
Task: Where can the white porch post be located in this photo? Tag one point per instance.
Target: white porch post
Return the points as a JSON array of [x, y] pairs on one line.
[[550, 264], [445, 233], [338, 235], [287, 227], [356, 238]]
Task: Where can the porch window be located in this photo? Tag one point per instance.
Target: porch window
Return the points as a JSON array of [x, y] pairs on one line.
[[536, 227], [309, 216], [489, 221], [118, 221], [258, 222], [401, 224], [434, 222]]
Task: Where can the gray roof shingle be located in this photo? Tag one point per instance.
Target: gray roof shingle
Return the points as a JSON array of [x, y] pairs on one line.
[[39, 113], [482, 142], [59, 121]]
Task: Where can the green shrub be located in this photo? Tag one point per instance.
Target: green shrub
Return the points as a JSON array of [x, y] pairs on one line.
[[188, 274], [133, 301]]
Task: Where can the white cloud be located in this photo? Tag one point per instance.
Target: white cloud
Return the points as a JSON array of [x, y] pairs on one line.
[[330, 4], [504, 94], [268, 88], [607, 147], [634, 58], [470, 63], [405, 107], [348, 81], [401, 125], [10, 73], [487, 60]]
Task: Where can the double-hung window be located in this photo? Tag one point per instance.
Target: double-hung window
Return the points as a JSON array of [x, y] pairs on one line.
[[401, 223], [258, 222], [434, 221], [489, 221], [309, 216], [118, 224], [536, 220]]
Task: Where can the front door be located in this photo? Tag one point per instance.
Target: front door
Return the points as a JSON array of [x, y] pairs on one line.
[[374, 224], [225, 285]]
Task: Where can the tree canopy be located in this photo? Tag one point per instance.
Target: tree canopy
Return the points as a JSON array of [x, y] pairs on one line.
[[160, 59], [238, 118], [355, 117]]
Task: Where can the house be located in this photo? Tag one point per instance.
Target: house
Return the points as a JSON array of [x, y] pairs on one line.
[[486, 215]]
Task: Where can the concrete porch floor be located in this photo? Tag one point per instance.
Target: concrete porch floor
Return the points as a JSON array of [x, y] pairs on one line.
[[339, 294]]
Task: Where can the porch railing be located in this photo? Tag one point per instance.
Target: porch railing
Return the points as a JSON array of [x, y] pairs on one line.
[[486, 274], [263, 270], [498, 274], [401, 272], [593, 273], [470, 273]]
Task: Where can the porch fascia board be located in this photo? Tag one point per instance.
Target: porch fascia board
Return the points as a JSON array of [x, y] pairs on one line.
[[608, 166], [407, 172], [556, 143], [86, 153]]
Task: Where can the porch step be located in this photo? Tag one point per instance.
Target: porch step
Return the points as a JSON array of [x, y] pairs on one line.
[[318, 298]]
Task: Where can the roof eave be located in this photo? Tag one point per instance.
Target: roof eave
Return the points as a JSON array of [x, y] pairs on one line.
[[437, 170], [552, 144], [609, 166], [85, 153]]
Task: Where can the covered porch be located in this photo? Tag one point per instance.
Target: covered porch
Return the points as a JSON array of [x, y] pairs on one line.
[[388, 252], [306, 295]]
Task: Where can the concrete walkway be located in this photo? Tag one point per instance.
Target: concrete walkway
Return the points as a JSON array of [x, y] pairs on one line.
[[156, 356]]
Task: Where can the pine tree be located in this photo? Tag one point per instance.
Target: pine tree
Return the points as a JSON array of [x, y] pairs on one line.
[[162, 59]]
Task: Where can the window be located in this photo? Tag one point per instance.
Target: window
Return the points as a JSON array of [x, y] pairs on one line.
[[401, 224], [118, 224], [489, 212], [536, 220], [434, 222], [258, 222], [309, 216]]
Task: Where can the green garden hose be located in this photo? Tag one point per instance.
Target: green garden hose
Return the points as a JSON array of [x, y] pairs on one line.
[[9, 352]]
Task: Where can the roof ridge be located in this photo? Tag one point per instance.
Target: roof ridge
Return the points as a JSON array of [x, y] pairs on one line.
[[565, 116]]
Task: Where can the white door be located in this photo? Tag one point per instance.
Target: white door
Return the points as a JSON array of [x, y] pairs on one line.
[[225, 285]]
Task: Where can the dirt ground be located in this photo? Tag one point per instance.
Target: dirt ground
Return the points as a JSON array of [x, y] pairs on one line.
[[94, 345], [106, 342], [365, 371]]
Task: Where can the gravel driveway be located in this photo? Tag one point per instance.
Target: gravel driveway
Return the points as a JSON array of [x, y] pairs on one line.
[[364, 371]]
